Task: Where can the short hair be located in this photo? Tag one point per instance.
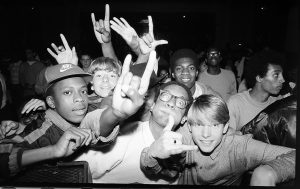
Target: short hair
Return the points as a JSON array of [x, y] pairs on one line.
[[258, 65], [213, 107], [163, 86], [184, 53], [109, 63]]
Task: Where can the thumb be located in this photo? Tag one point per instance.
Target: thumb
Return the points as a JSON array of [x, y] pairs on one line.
[[160, 42], [170, 124]]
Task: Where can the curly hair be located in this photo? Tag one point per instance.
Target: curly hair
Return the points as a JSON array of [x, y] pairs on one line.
[[258, 65]]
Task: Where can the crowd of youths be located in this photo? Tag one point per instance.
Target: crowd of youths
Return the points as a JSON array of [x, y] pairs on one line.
[[185, 124]]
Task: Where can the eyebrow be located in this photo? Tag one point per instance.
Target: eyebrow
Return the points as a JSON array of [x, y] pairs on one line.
[[174, 95]]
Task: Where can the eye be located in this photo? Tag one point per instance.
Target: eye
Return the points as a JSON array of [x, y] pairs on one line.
[[181, 102], [67, 92], [99, 76], [192, 68], [178, 69], [276, 75], [84, 91], [113, 76]]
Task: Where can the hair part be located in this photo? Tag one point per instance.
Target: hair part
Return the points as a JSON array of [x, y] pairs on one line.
[[109, 64], [212, 107]]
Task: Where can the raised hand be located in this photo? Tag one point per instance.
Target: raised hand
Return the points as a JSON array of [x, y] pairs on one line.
[[33, 105], [101, 27], [8, 128], [147, 42], [129, 92], [169, 143], [64, 53], [71, 140], [126, 31]]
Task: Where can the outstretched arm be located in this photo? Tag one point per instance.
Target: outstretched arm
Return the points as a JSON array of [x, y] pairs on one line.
[[103, 34], [128, 97]]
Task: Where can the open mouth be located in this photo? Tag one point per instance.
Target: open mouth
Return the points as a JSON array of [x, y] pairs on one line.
[[185, 79]]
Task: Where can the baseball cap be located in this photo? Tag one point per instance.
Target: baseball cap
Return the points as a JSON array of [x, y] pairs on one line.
[[59, 72]]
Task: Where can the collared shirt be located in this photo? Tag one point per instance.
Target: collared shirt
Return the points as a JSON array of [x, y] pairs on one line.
[[235, 155]]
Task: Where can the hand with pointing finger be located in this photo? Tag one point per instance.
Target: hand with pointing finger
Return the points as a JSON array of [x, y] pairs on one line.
[[169, 143], [147, 42], [129, 92], [101, 27], [64, 53]]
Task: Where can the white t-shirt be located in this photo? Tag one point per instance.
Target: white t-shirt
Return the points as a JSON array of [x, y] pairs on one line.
[[121, 162]]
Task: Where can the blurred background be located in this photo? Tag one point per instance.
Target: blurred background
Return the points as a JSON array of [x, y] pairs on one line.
[[226, 24]]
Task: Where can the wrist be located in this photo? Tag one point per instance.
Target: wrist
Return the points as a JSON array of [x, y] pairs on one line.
[[118, 114]]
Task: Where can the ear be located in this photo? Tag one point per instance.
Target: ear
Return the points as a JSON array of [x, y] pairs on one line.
[[173, 75], [152, 107], [50, 102], [258, 78], [226, 126], [189, 127], [183, 120]]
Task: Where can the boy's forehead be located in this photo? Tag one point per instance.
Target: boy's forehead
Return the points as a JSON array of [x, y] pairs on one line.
[[185, 61], [274, 67], [176, 90]]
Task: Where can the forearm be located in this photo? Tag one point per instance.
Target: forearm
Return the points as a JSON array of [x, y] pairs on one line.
[[284, 166], [149, 165], [108, 51], [37, 155], [142, 58], [109, 119]]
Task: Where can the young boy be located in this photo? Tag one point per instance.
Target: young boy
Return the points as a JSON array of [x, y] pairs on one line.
[[66, 96], [222, 156], [105, 72]]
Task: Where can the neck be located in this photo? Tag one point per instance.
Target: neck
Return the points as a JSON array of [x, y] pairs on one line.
[[155, 128], [193, 89], [258, 94], [214, 70]]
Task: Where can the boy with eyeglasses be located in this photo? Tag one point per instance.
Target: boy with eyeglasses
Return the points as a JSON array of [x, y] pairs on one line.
[[122, 159], [220, 80]]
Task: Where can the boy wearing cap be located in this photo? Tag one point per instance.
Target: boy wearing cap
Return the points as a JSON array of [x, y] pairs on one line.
[[184, 69]]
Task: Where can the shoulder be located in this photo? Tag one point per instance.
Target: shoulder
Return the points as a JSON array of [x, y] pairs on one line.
[[238, 97]]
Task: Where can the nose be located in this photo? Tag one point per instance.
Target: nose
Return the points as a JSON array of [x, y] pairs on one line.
[[206, 132], [171, 103], [78, 97], [185, 71], [105, 78], [281, 79]]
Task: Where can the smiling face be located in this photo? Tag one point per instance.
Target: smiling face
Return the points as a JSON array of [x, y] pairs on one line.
[[104, 81], [273, 80], [207, 134], [162, 109], [208, 121], [70, 99], [185, 72]]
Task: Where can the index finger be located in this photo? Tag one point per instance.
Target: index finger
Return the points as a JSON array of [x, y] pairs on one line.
[[65, 42], [147, 73], [125, 69], [93, 19], [170, 124], [151, 26], [106, 18]]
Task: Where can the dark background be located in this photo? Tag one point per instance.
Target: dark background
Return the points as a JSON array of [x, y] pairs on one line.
[[184, 23]]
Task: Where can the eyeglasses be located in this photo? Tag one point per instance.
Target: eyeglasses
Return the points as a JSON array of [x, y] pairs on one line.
[[165, 96], [213, 54]]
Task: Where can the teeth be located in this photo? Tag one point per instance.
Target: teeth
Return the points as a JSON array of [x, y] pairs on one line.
[[185, 80]]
